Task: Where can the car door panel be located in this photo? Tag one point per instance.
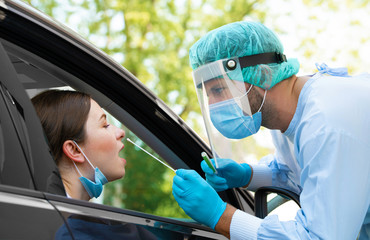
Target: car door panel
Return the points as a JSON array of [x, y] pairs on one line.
[[25, 214], [113, 222]]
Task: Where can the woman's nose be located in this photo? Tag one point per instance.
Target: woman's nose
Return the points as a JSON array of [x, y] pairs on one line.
[[120, 133]]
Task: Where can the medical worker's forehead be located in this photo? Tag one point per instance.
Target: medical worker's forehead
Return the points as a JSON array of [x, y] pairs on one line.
[[215, 81], [220, 82]]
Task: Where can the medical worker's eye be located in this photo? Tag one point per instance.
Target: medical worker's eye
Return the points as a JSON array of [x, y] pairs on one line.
[[217, 91]]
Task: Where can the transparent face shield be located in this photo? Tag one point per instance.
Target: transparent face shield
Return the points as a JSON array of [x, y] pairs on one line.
[[221, 92], [223, 97]]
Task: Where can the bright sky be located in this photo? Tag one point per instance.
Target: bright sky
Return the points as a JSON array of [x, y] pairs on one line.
[[342, 36]]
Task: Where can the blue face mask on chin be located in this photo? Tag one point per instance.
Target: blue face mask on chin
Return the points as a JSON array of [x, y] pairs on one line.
[[229, 119], [94, 189]]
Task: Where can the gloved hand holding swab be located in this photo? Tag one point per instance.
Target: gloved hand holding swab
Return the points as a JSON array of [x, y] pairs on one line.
[[208, 161], [150, 155]]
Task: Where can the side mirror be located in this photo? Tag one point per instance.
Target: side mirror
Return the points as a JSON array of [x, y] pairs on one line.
[[263, 207]]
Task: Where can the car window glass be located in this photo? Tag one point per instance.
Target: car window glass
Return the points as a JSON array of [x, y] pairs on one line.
[[286, 209]]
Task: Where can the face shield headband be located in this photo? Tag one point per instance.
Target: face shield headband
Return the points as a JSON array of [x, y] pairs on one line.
[[234, 64]]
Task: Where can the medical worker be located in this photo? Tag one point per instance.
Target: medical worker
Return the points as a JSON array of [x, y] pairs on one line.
[[320, 126]]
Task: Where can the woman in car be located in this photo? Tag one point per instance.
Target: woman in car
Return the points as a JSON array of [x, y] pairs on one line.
[[84, 145], [86, 150]]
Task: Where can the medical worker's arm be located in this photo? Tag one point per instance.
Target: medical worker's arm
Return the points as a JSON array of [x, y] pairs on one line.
[[278, 170], [223, 225], [269, 173], [335, 196]]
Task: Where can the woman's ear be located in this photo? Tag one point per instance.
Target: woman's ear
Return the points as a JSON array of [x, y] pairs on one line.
[[72, 152]]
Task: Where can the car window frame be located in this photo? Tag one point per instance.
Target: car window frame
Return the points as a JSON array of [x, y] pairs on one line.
[[54, 44], [61, 42]]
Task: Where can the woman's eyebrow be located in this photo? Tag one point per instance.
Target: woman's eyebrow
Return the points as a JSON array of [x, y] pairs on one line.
[[103, 116]]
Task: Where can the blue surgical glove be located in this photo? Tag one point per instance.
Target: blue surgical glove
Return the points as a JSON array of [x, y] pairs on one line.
[[197, 198], [230, 174]]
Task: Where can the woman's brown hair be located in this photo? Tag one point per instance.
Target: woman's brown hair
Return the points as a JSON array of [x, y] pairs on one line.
[[63, 115]]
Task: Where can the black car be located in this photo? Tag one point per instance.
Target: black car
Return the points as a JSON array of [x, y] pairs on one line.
[[37, 53]]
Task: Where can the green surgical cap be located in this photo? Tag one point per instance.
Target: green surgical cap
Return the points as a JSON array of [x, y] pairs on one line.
[[241, 39]]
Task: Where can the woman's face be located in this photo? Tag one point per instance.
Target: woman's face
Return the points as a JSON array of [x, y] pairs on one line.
[[103, 143]]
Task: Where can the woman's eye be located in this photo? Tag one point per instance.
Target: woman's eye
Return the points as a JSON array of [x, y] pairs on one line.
[[106, 125]]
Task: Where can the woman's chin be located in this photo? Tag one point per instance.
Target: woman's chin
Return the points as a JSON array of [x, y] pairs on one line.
[[117, 176]]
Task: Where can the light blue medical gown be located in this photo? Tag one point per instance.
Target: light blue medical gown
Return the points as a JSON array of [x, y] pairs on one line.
[[325, 156]]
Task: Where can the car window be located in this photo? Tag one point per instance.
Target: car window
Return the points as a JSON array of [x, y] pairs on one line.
[[285, 208], [147, 185]]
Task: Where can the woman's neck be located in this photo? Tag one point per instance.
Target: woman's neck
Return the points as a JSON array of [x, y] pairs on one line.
[[72, 183]]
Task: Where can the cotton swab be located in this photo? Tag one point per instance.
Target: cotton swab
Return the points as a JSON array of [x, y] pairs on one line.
[[150, 155]]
